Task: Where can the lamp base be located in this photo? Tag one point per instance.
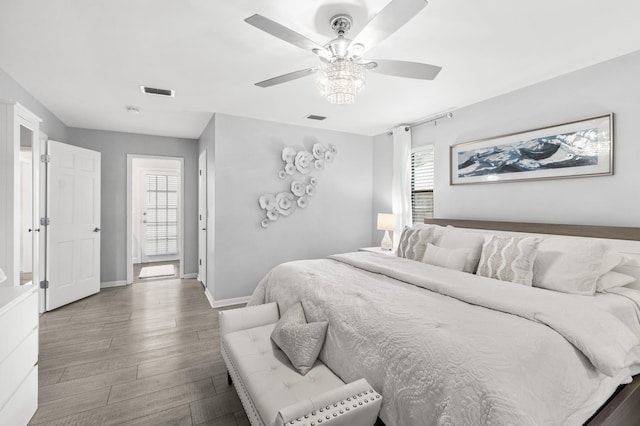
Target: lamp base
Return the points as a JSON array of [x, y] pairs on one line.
[[387, 243]]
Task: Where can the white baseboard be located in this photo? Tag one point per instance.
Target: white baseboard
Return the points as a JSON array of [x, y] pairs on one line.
[[113, 284], [209, 297], [229, 302], [190, 276]]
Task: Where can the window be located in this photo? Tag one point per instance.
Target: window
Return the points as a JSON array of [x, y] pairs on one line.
[[161, 214], [422, 183]]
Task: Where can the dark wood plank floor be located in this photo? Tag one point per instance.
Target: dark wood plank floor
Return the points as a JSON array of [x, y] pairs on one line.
[[145, 354]]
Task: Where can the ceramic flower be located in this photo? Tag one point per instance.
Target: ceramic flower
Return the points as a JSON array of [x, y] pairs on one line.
[[290, 169], [288, 154], [304, 162], [328, 156], [311, 190], [319, 165], [298, 188], [303, 202], [282, 174], [267, 202], [264, 223], [318, 151], [333, 148], [284, 203], [313, 181], [273, 215]]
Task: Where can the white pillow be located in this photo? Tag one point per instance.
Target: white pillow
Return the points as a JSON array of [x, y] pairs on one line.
[[613, 279], [446, 258], [509, 259], [569, 265], [456, 239]]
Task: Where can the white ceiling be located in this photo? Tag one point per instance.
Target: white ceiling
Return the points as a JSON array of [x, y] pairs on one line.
[[84, 60]]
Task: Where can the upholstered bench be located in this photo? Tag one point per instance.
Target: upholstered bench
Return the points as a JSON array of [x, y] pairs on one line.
[[273, 392]]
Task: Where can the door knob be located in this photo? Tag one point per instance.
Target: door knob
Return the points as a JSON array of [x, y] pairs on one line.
[[34, 230], [96, 230]]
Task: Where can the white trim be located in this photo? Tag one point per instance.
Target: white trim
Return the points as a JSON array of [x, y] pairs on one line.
[[190, 276], [209, 297], [108, 284], [129, 239], [228, 302]]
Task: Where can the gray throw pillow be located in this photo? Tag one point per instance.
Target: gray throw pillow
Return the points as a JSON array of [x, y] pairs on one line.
[[509, 259], [299, 340], [414, 240]]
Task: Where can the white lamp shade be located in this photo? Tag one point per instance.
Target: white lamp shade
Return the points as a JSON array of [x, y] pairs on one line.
[[386, 222]]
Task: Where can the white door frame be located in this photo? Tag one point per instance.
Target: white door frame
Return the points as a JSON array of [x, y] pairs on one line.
[[129, 239], [202, 218]]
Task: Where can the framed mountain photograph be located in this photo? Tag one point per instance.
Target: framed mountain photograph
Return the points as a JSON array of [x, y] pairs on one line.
[[575, 149]]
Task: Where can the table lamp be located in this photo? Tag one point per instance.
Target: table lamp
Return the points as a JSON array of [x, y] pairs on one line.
[[386, 223]]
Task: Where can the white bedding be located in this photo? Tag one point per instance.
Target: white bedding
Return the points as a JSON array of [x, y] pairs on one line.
[[450, 348]]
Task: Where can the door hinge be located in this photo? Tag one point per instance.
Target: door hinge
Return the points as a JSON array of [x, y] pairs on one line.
[[44, 284], [200, 172], [44, 221], [45, 158], [200, 262]]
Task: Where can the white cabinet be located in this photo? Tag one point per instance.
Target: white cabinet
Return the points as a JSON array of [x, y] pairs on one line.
[[19, 130], [18, 354]]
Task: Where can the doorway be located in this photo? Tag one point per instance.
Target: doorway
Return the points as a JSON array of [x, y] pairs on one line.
[[155, 224]]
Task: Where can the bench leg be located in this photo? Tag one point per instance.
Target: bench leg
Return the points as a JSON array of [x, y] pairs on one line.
[[229, 380]]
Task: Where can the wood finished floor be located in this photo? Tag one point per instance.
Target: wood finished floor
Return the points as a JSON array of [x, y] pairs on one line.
[[145, 354]]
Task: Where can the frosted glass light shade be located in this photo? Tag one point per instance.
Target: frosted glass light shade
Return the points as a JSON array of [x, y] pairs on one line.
[[386, 222]]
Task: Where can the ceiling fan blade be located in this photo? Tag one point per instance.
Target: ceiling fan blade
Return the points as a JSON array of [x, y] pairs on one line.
[[404, 69], [283, 33], [287, 77], [389, 20]]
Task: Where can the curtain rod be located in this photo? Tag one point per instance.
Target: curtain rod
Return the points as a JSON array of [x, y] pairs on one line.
[[431, 119], [426, 120]]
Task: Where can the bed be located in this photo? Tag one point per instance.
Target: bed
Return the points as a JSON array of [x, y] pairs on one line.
[[449, 347]]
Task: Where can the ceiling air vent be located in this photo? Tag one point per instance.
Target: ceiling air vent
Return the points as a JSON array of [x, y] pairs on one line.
[[155, 91], [315, 117]]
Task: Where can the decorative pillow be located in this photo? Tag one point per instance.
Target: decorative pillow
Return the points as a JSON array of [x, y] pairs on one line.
[[509, 259], [570, 265], [446, 258], [613, 279], [301, 342], [414, 240], [456, 239]]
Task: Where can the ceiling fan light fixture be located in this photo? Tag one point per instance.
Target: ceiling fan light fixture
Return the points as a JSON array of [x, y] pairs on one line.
[[340, 81]]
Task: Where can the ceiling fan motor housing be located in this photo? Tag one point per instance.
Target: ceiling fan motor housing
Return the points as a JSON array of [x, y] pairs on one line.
[[341, 24]]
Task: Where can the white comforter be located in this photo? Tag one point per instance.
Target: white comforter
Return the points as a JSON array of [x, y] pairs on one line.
[[449, 348]]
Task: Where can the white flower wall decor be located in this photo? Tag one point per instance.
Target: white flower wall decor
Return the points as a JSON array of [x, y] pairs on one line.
[[302, 162]]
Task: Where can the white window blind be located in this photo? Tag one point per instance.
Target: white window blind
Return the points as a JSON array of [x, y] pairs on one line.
[[161, 214], [422, 183]]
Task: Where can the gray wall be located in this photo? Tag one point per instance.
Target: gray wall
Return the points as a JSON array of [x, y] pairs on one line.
[[247, 160], [207, 142], [382, 181], [612, 86], [10, 90], [114, 148]]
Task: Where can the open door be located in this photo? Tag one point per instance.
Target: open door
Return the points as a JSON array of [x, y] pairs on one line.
[[202, 219], [73, 232]]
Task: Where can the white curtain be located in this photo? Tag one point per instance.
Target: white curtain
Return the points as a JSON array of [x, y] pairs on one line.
[[401, 188]]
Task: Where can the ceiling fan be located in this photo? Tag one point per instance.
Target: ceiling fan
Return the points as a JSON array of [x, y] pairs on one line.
[[342, 73]]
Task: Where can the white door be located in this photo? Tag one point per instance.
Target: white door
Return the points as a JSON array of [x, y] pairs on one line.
[[73, 239], [202, 219], [159, 227]]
